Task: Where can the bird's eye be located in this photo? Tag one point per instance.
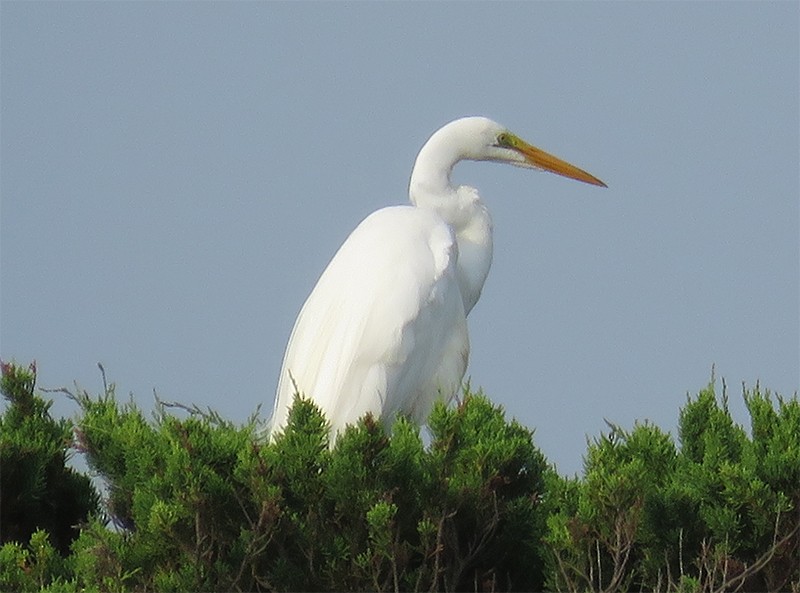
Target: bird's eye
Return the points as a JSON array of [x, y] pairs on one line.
[[504, 140]]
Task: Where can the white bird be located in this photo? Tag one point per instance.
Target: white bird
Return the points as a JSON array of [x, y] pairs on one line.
[[385, 329]]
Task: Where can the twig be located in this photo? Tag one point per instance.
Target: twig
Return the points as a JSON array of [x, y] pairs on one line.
[[762, 561]]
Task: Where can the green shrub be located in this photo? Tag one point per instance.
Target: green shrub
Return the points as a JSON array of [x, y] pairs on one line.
[[37, 489], [720, 513], [205, 505], [198, 503]]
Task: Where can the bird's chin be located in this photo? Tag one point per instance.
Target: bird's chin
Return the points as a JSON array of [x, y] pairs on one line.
[[523, 164]]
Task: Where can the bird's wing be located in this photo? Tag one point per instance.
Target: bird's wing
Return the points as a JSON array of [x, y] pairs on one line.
[[384, 326]]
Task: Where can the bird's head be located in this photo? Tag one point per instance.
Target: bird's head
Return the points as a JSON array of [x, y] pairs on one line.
[[478, 139], [486, 140]]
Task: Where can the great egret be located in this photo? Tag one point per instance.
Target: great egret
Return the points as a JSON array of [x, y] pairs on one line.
[[385, 328]]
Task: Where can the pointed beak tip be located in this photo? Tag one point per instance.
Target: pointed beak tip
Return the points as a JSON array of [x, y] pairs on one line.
[[583, 176], [548, 162]]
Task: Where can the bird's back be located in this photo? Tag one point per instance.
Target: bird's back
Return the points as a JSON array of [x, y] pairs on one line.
[[384, 330]]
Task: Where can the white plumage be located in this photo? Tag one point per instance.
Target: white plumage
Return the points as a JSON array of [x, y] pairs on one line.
[[385, 330]]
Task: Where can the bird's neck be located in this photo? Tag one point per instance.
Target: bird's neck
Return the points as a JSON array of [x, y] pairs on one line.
[[430, 177], [430, 185], [474, 238], [461, 208]]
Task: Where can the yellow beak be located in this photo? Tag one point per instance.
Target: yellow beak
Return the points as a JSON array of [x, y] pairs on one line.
[[543, 160]]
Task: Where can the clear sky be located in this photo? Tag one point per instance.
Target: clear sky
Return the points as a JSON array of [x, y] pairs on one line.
[[175, 177]]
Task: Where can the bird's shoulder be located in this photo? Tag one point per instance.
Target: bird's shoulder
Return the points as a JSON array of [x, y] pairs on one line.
[[395, 261], [407, 235], [392, 280]]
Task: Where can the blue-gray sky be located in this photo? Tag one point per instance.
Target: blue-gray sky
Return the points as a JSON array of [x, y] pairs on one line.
[[175, 177]]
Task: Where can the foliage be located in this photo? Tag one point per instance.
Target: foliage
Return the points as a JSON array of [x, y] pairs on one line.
[[201, 504], [37, 490], [198, 503], [718, 514]]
